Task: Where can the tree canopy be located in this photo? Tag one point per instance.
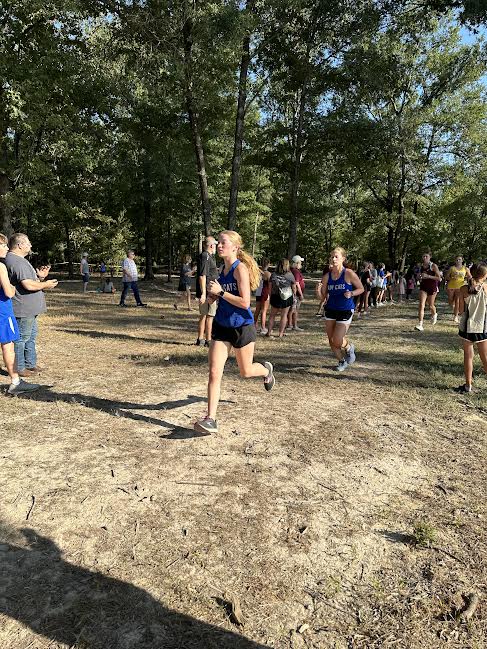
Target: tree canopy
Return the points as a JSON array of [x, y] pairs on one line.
[[302, 124]]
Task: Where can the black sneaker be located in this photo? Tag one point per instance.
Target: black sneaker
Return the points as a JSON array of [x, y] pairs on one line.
[[463, 389], [200, 342], [207, 343], [121, 304], [270, 379], [206, 425], [22, 388], [143, 305]]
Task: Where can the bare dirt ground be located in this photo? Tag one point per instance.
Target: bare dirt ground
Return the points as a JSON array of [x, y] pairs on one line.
[[121, 528]]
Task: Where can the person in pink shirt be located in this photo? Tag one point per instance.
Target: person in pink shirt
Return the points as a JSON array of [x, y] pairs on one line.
[[296, 264]]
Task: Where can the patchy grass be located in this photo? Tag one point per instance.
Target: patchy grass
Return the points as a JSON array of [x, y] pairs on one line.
[[123, 528]]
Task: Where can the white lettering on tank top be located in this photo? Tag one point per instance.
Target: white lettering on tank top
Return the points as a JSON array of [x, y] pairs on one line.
[[229, 287]]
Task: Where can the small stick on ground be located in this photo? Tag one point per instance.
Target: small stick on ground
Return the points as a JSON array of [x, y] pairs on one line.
[[31, 507]]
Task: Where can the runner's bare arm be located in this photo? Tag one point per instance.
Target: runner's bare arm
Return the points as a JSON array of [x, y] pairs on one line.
[[8, 289], [463, 295], [324, 287]]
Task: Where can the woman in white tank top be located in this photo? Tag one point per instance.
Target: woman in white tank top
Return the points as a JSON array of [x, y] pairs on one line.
[[473, 322]]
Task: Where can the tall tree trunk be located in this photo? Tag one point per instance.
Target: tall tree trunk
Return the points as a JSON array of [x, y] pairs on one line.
[[148, 239], [194, 120], [169, 249], [239, 128], [254, 237], [69, 251], [295, 176], [5, 209]]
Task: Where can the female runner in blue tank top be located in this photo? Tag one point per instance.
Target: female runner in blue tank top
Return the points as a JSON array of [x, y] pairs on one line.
[[339, 286], [233, 325]]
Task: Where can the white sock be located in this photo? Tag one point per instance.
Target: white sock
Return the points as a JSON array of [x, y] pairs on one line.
[[16, 381]]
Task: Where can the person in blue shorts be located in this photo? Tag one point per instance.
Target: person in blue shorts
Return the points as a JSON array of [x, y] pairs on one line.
[[233, 324], [9, 330], [339, 287]]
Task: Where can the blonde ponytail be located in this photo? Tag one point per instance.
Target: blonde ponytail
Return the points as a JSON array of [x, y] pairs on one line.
[[254, 271], [245, 258]]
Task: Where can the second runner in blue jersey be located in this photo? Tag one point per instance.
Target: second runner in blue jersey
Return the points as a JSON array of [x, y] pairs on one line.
[[339, 287]]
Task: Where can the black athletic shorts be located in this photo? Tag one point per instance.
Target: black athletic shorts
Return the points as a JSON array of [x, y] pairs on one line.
[[339, 316], [277, 303], [473, 338], [237, 336]]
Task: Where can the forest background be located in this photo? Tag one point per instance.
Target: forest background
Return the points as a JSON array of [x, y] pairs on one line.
[[303, 124]]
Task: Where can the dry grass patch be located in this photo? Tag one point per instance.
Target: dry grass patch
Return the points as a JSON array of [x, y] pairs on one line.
[[122, 528]]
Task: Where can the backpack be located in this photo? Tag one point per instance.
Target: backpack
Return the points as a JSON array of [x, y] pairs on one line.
[[284, 290]]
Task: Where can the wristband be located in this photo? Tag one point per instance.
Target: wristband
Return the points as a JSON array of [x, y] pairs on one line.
[[222, 293]]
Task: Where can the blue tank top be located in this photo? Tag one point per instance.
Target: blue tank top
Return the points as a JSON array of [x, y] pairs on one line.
[[6, 308], [336, 289], [228, 315]]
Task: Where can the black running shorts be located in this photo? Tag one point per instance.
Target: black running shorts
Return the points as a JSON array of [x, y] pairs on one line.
[[238, 337], [338, 315]]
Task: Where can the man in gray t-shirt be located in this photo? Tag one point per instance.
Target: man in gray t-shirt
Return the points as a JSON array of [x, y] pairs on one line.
[[28, 301], [84, 270]]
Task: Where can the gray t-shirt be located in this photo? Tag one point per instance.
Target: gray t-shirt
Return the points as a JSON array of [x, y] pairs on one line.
[[26, 304], [85, 267]]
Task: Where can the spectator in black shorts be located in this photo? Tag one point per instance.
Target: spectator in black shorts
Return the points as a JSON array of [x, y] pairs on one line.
[[283, 290]]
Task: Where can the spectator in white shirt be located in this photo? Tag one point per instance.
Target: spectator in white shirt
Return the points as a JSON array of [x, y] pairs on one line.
[[84, 270], [130, 277]]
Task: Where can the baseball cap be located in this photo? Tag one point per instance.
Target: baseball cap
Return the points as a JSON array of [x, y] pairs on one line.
[[297, 258]]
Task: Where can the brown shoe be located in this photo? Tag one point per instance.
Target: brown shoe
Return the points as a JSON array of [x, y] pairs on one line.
[[36, 369], [25, 374]]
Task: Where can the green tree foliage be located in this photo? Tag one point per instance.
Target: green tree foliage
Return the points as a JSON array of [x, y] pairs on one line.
[[361, 124]]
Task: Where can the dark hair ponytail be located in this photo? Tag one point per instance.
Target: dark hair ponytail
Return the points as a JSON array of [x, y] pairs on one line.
[[477, 272]]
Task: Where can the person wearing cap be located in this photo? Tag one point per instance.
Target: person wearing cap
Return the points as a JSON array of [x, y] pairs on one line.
[[84, 270], [296, 264]]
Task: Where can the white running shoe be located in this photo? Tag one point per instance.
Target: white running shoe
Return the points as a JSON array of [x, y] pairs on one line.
[[434, 319], [263, 332], [342, 366], [419, 326], [298, 329], [350, 357]]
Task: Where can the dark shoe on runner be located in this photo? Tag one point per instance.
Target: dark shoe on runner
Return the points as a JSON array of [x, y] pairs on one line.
[[206, 425], [207, 343], [122, 304], [200, 342], [270, 379], [463, 389], [22, 388], [142, 304]]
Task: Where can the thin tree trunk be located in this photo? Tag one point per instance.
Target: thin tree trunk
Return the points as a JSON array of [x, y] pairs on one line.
[[148, 239], [69, 252], [254, 238], [5, 209], [295, 177], [169, 249], [194, 122], [239, 129]]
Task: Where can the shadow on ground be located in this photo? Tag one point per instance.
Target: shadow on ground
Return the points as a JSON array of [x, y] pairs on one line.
[[79, 607], [124, 408]]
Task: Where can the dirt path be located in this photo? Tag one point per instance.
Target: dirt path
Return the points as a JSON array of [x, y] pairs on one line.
[[121, 528]]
